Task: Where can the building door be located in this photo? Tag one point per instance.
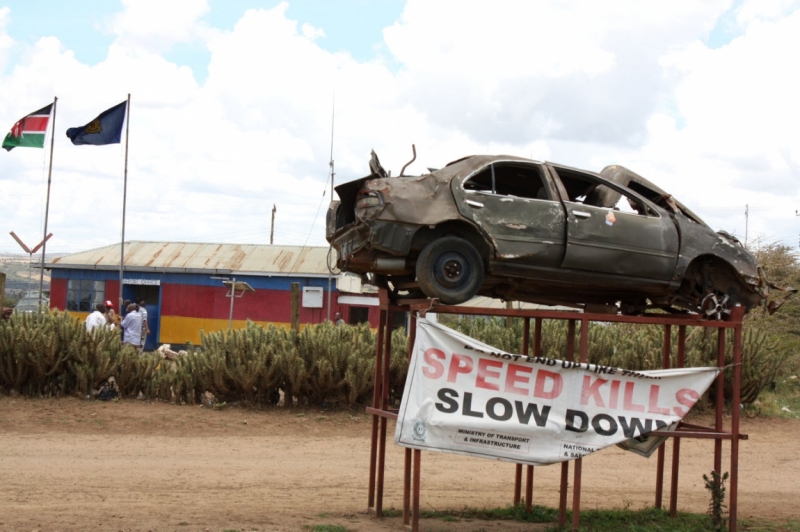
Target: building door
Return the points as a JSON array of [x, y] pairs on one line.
[[152, 296]]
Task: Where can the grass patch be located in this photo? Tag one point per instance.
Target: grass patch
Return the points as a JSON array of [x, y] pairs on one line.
[[645, 520], [329, 528], [539, 514], [767, 526], [782, 402], [622, 520]]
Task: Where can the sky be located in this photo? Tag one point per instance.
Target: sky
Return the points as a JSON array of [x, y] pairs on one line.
[[238, 106]]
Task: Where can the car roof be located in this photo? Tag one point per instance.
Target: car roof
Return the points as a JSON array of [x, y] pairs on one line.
[[618, 175]]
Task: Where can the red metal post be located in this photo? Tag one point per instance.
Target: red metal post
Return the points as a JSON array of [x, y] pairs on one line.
[[666, 353], [376, 398], [415, 509], [412, 337], [576, 478], [576, 495], [384, 404], [407, 487], [733, 493], [720, 406], [526, 336], [529, 490], [562, 499], [517, 483], [676, 442], [562, 495]]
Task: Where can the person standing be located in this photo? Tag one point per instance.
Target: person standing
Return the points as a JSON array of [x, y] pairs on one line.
[[132, 327], [96, 318], [337, 319], [145, 326], [111, 316]]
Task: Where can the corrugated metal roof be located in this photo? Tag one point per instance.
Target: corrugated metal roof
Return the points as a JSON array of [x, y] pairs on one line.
[[202, 258]]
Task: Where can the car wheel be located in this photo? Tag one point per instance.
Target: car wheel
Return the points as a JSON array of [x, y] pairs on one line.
[[450, 269]]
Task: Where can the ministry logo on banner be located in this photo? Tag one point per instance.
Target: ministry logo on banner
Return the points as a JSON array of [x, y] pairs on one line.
[[465, 397]]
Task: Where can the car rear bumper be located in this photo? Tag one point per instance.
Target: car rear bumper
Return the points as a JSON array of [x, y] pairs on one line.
[[374, 246]]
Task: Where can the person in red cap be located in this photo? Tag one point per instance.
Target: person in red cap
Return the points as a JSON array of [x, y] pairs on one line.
[[111, 317]]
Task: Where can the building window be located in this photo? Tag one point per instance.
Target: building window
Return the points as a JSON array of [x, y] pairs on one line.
[[83, 294], [358, 315]]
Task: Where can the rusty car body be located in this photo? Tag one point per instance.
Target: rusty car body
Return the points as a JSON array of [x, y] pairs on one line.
[[518, 229]]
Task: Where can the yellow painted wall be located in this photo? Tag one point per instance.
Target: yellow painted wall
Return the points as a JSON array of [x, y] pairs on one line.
[[183, 330]]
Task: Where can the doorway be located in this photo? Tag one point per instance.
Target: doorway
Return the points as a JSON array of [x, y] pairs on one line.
[[152, 296]]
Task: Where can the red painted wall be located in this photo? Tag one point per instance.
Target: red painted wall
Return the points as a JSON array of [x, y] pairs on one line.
[[58, 294], [261, 305], [112, 294], [210, 302]]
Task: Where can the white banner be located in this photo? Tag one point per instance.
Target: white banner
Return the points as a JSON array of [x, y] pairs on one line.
[[466, 397]]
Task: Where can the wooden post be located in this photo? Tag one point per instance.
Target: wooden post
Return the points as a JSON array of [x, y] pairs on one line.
[[296, 307]]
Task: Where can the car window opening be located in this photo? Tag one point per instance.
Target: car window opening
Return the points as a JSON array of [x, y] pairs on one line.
[[509, 180], [586, 191]]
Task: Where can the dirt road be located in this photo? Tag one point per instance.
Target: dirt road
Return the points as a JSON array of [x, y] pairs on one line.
[[70, 464]]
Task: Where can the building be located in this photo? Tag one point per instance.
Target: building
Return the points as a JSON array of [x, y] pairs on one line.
[[186, 286]]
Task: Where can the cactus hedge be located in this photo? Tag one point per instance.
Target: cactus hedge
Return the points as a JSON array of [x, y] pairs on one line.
[[53, 355]]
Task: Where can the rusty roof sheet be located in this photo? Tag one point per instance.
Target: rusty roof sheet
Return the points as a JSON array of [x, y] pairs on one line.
[[194, 257]]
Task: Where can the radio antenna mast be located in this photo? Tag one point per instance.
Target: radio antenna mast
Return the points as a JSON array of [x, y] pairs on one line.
[[330, 164]]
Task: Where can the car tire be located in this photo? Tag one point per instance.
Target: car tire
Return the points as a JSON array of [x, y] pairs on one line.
[[450, 269]]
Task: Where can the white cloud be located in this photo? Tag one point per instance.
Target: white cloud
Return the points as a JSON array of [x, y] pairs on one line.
[[5, 40], [583, 83], [522, 70], [155, 25], [765, 10]]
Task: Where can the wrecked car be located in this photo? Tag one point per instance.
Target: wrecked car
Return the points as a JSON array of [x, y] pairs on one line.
[[518, 229]]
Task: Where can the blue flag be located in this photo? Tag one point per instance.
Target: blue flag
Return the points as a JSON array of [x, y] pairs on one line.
[[105, 129]]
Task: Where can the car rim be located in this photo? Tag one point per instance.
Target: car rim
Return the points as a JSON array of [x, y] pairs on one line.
[[715, 308], [451, 270]]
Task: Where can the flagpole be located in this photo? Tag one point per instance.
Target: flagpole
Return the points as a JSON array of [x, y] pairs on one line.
[[124, 199], [47, 205]]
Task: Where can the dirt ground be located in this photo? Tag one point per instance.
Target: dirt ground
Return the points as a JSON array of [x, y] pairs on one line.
[[71, 464]]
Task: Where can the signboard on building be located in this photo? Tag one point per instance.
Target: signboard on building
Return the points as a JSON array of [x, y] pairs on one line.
[[312, 297], [142, 282]]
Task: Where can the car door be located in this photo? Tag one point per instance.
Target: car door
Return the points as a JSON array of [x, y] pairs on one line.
[[518, 208], [612, 230]]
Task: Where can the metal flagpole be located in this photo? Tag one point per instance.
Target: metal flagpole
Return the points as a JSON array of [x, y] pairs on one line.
[[124, 199], [47, 206]]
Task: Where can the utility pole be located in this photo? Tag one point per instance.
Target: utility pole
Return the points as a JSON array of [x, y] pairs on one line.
[[746, 222], [272, 224]]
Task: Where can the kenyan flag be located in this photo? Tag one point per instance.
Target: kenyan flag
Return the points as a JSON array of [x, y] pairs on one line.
[[29, 131]]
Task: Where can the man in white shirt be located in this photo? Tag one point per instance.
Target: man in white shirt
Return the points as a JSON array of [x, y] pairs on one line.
[[145, 325], [96, 318], [132, 327]]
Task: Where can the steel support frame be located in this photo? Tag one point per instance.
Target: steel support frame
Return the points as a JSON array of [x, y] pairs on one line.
[[381, 411]]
